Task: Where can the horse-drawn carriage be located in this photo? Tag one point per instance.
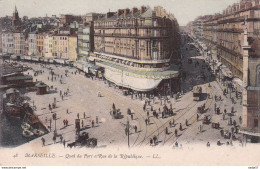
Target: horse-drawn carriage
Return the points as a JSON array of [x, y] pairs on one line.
[[206, 119], [83, 140], [215, 125], [116, 114], [201, 109]]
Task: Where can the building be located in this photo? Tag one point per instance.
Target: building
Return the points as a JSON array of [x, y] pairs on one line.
[[16, 21], [68, 19], [32, 39], [7, 42], [48, 45], [234, 41], [1, 47], [73, 47], [210, 36], [60, 46], [40, 44], [138, 49], [90, 17], [85, 41], [19, 43]]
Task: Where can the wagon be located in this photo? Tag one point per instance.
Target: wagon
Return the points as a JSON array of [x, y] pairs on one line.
[[201, 109], [92, 142], [206, 119], [215, 125], [116, 114]]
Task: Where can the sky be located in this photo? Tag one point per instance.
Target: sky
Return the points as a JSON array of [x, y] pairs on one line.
[[183, 10]]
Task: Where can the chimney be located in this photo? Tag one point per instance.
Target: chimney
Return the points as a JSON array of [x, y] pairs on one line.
[[134, 10], [110, 14], [126, 12], [143, 9], [120, 12]]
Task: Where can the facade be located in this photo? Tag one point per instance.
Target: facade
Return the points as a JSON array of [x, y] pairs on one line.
[[1, 48], [61, 46], [73, 47], [19, 43], [48, 45], [137, 40], [40, 44], [7, 42], [85, 42], [32, 40]]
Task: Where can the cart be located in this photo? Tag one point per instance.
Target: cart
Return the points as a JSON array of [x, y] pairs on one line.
[[206, 119]]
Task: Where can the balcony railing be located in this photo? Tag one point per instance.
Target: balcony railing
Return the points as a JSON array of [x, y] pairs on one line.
[[130, 35]]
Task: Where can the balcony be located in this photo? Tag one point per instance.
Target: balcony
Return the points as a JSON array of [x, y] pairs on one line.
[[130, 36], [231, 30]]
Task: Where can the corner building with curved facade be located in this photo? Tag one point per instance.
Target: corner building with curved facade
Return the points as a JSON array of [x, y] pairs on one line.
[[139, 49]]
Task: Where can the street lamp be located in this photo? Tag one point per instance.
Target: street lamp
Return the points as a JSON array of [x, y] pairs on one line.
[[128, 129]]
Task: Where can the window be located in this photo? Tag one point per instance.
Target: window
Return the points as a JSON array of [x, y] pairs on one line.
[[258, 76], [255, 122]]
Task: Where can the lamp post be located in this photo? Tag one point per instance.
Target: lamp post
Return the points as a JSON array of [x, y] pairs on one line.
[[50, 124], [128, 129]]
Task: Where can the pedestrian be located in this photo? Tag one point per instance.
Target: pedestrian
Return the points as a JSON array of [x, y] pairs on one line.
[[64, 122], [78, 115], [234, 123], [166, 130], [215, 107], [126, 131], [176, 132], [97, 119], [154, 139], [145, 121], [43, 142], [135, 128], [186, 122], [240, 119], [198, 117], [180, 127], [223, 116], [54, 139], [208, 144], [62, 97], [67, 111], [225, 111], [173, 122], [147, 113], [170, 123], [148, 120], [151, 141], [64, 142], [176, 144], [82, 123], [84, 114], [93, 123], [61, 138], [200, 128], [132, 117]]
